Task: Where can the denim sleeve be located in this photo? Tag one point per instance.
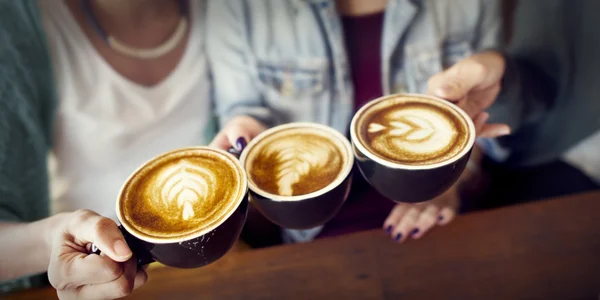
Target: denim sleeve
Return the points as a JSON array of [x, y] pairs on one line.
[[236, 88]]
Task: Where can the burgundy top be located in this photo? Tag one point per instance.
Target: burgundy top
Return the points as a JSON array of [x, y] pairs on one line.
[[365, 208]]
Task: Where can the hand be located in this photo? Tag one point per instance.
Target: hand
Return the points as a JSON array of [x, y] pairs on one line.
[[473, 84], [414, 220], [78, 275], [237, 133]]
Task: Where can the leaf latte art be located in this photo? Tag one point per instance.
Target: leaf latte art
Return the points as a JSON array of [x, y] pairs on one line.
[[183, 186], [181, 193], [296, 163]]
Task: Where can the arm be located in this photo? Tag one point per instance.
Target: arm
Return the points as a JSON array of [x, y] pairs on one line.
[[532, 66], [233, 68], [26, 247]]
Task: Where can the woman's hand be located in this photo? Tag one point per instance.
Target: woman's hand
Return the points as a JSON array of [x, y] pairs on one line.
[[473, 84], [237, 133], [414, 220], [78, 275]]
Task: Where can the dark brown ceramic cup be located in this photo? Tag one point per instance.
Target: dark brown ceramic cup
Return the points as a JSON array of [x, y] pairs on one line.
[[180, 191], [410, 147], [299, 174]]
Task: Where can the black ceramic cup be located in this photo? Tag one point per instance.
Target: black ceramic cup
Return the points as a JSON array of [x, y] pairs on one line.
[[405, 182], [306, 210], [195, 250]]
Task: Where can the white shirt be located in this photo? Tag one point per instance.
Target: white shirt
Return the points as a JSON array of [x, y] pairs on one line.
[[106, 125]]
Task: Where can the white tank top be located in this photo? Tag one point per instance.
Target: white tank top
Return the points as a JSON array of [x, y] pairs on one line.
[[106, 125]]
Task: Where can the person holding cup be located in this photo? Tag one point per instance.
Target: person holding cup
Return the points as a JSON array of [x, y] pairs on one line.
[[320, 61], [544, 88], [103, 85]]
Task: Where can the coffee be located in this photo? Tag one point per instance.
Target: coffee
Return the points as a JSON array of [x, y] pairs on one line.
[[297, 159], [181, 194], [412, 130]]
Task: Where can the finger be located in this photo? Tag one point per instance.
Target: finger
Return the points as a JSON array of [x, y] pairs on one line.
[[457, 81], [88, 227], [494, 130], [477, 72], [75, 269], [118, 288], [220, 141], [406, 225], [394, 217], [426, 221], [479, 121], [447, 214], [140, 279]]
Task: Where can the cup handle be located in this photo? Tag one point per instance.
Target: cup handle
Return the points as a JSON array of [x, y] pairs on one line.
[[142, 254]]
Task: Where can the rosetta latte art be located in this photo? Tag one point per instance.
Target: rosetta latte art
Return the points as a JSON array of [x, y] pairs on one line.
[[413, 133], [182, 187], [297, 159]]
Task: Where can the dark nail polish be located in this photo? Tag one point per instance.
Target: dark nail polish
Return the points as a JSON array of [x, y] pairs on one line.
[[398, 237], [414, 232], [388, 229], [440, 218], [240, 144]]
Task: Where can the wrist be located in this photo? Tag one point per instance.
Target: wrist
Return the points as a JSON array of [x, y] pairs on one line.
[[50, 227]]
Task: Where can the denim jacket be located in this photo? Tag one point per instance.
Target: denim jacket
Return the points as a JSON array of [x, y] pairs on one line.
[[284, 60]]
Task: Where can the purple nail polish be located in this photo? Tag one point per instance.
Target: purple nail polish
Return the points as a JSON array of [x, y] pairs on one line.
[[388, 229], [440, 218], [414, 232], [398, 237], [240, 144]]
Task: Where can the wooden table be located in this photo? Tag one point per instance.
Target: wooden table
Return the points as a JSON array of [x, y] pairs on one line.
[[544, 250]]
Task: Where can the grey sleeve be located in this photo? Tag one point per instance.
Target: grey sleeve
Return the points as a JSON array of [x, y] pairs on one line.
[[532, 66], [489, 31]]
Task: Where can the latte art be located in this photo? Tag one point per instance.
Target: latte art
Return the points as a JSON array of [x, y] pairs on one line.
[[296, 161], [181, 193], [411, 130], [182, 187]]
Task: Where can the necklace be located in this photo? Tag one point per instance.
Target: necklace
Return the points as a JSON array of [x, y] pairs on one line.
[[141, 53]]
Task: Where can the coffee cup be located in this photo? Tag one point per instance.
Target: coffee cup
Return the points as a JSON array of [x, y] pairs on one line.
[[299, 174], [411, 147], [185, 208]]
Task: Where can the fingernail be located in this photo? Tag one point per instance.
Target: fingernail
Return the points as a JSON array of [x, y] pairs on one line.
[[414, 232], [440, 218], [121, 249], [240, 144], [398, 237], [504, 131], [388, 229]]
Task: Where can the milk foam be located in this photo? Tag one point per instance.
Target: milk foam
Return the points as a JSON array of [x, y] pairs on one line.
[[181, 193], [296, 161], [182, 188], [412, 130], [416, 131], [296, 158]]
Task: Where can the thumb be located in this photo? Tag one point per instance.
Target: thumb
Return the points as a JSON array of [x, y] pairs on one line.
[[88, 227]]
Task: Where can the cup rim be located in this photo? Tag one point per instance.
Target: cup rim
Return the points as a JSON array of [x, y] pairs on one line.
[[224, 216], [394, 165], [335, 183]]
